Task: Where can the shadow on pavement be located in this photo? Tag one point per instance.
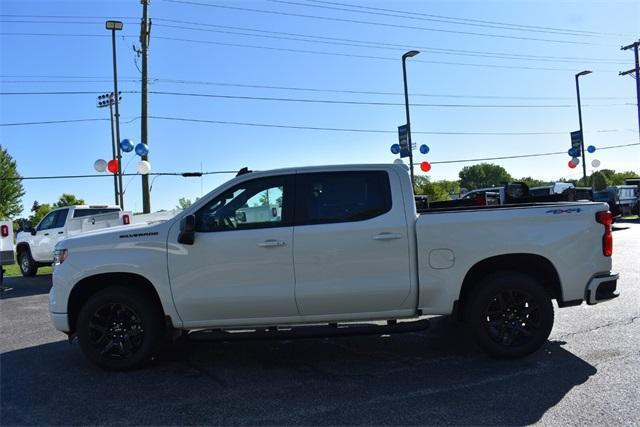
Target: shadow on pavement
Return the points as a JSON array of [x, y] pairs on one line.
[[432, 377], [26, 286]]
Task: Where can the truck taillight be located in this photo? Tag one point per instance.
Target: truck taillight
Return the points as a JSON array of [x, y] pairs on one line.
[[125, 219], [606, 218], [4, 230]]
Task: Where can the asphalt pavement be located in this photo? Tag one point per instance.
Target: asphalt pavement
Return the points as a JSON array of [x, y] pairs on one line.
[[587, 374]]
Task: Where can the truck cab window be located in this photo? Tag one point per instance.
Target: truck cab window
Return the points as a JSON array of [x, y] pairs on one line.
[[324, 198], [259, 203], [48, 221]]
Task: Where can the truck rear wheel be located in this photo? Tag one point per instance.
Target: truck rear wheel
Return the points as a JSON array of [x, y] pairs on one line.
[[119, 328], [511, 314], [28, 266]]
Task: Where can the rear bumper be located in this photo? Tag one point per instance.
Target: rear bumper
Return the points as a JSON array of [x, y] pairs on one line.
[[602, 288], [6, 257]]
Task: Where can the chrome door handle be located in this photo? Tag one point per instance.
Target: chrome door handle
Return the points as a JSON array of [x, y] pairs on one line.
[[272, 244], [387, 236]]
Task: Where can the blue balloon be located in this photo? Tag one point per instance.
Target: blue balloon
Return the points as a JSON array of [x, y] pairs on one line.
[[591, 149], [395, 148], [126, 145], [142, 149], [424, 148]]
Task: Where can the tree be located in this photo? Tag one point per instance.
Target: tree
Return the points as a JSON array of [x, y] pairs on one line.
[[437, 190], [532, 182], [483, 175], [68, 200], [39, 211], [183, 203], [11, 190]]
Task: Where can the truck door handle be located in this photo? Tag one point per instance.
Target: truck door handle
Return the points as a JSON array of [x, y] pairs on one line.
[[272, 243], [46, 234], [387, 236], [60, 232]]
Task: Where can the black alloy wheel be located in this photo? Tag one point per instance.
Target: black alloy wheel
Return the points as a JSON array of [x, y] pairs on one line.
[[120, 328], [510, 314]]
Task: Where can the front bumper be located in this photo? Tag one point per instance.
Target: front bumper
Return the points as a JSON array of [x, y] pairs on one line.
[[602, 288], [60, 321]]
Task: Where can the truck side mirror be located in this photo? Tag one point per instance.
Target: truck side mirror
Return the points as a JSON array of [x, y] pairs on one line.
[[187, 230]]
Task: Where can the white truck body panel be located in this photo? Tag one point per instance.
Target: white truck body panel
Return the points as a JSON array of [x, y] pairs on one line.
[[395, 265], [48, 234], [565, 236]]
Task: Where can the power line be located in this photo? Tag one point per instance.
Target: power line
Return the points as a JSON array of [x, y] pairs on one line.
[[413, 13], [197, 174], [351, 55], [555, 153], [49, 122], [279, 35], [374, 23], [69, 79], [183, 174], [316, 128], [319, 101], [410, 15]]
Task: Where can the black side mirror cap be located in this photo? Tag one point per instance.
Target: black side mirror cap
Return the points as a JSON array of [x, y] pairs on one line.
[[187, 230]]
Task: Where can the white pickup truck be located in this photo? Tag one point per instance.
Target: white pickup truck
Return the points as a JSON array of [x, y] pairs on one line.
[[34, 246], [346, 245]]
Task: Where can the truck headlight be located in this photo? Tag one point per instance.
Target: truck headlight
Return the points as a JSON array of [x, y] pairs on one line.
[[59, 255]]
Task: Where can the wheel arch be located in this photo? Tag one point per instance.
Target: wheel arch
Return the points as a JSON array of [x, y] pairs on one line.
[[85, 288], [533, 265], [21, 247]]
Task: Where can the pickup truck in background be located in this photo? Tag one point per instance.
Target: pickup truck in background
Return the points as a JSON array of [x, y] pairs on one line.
[[34, 246], [622, 199], [342, 244], [6, 246]]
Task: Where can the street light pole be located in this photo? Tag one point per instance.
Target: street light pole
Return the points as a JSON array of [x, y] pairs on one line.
[[116, 26], [584, 164], [409, 54]]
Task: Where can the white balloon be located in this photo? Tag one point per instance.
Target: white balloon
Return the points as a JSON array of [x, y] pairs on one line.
[[575, 161], [595, 163], [100, 165], [144, 167]]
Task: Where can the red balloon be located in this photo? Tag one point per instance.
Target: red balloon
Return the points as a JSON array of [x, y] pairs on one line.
[[572, 165], [425, 166], [112, 166]]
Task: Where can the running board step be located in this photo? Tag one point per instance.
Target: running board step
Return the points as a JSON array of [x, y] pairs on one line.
[[315, 331]]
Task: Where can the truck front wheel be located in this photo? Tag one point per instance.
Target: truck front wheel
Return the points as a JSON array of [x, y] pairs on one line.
[[28, 266], [510, 314], [119, 328]]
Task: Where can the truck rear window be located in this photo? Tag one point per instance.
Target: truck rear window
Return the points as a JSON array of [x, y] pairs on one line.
[[79, 213]]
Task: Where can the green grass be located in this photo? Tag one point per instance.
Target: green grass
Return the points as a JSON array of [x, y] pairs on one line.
[[13, 270], [631, 217]]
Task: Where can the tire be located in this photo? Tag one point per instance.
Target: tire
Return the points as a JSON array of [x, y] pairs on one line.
[[28, 266], [510, 314], [120, 329]]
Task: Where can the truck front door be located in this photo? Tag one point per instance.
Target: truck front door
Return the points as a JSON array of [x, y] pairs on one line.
[[351, 243], [49, 232], [240, 265]]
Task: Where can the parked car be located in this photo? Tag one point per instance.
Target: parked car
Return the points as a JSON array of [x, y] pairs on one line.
[[6, 246], [622, 199], [348, 246], [34, 246]]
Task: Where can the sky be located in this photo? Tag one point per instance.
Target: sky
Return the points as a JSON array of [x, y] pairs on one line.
[[493, 79]]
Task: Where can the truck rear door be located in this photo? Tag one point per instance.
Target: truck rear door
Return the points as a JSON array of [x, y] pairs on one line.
[[351, 248]]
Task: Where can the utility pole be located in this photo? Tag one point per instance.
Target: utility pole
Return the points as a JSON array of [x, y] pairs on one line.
[[145, 34], [103, 101], [584, 161], [634, 46], [409, 54]]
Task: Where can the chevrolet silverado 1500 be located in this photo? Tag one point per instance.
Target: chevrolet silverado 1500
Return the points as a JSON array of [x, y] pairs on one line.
[[329, 245]]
